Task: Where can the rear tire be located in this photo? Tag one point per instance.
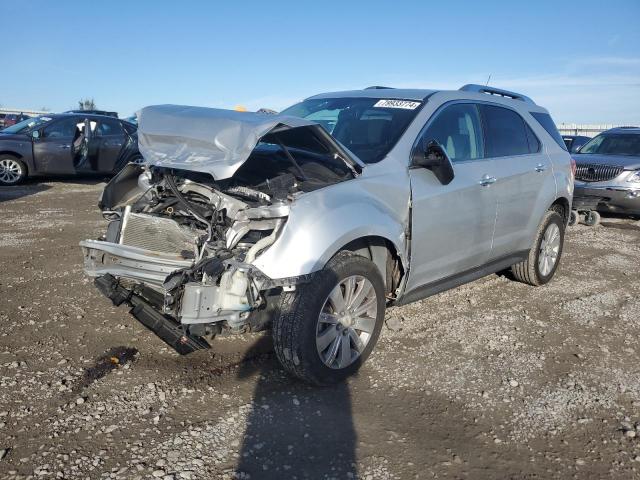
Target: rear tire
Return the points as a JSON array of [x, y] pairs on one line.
[[12, 170], [318, 341], [544, 257]]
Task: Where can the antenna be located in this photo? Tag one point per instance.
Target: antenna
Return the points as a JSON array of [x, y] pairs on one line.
[[488, 79]]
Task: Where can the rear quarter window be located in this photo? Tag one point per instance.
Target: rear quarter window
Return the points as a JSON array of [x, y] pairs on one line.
[[546, 122]]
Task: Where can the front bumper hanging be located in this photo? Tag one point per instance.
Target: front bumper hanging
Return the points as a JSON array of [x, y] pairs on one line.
[[171, 332]]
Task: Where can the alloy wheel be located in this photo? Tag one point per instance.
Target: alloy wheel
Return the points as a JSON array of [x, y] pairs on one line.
[[346, 322], [10, 170], [549, 249]]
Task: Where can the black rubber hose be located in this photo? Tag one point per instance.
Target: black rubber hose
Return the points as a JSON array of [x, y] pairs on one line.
[[183, 201]]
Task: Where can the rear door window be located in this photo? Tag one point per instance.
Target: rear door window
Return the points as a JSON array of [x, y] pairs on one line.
[[505, 132], [107, 126], [534, 143]]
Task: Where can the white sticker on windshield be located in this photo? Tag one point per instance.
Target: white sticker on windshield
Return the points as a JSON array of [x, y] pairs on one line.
[[406, 104]]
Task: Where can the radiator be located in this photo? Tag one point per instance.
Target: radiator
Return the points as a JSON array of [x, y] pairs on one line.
[[157, 234]]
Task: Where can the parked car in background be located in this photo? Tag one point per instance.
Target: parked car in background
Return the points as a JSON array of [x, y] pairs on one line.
[[66, 143], [247, 221], [575, 142], [608, 167], [13, 118]]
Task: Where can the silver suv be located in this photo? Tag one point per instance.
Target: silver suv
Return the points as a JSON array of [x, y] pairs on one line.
[[313, 221]]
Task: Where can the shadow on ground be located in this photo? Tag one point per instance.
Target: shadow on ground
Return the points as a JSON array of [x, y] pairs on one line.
[[34, 185], [13, 193], [295, 429]]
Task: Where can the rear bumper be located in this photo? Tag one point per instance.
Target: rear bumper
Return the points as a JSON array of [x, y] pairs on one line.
[[614, 198]]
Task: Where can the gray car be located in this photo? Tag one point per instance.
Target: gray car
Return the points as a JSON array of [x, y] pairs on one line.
[[66, 143], [608, 168], [313, 221]]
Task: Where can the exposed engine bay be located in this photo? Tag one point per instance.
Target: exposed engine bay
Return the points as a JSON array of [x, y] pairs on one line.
[[180, 246]]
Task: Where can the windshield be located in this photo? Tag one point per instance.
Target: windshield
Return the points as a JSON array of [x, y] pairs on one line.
[[27, 124], [614, 144], [369, 127]]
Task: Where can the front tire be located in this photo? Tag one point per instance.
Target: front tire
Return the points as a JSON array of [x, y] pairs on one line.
[[544, 256], [327, 328], [12, 170]]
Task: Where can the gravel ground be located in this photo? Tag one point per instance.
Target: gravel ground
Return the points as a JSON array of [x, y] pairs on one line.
[[494, 379]]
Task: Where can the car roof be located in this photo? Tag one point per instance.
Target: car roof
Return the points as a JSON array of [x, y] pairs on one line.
[[632, 130], [69, 114], [471, 91]]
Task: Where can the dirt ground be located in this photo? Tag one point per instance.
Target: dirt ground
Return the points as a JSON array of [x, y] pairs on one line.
[[494, 379]]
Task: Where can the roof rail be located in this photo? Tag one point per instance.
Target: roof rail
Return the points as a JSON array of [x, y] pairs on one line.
[[472, 87], [378, 87]]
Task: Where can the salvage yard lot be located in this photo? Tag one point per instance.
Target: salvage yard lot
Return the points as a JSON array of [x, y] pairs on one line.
[[491, 380]]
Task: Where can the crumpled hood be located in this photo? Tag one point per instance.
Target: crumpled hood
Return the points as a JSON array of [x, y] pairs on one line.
[[627, 161], [208, 140]]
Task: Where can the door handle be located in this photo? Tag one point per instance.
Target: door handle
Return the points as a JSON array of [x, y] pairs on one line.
[[540, 167], [487, 180], [65, 146]]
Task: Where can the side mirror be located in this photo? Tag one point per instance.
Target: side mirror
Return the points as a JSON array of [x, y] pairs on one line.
[[35, 134], [433, 157]]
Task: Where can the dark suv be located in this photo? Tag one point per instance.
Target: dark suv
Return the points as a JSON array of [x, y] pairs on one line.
[[66, 143]]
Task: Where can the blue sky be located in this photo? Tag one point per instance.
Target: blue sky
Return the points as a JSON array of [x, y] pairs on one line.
[[579, 59]]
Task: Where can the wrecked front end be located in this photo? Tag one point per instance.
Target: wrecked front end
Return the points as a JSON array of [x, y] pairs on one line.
[[180, 246]]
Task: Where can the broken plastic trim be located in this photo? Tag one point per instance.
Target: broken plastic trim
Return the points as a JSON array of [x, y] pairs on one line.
[[167, 329]]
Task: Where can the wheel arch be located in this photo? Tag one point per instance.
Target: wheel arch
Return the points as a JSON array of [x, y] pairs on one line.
[[563, 207], [13, 154], [384, 255]]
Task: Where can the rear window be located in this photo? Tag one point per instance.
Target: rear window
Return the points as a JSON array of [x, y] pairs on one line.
[[545, 120], [506, 132]]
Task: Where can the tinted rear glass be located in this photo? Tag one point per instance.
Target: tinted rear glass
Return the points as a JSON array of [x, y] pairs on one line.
[[505, 132], [545, 120]]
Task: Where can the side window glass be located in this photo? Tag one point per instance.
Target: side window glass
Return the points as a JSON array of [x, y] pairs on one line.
[[109, 127], [505, 132], [534, 143], [457, 129], [64, 128], [545, 120]]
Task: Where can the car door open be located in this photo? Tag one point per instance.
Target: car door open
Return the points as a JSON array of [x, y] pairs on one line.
[[110, 140]]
